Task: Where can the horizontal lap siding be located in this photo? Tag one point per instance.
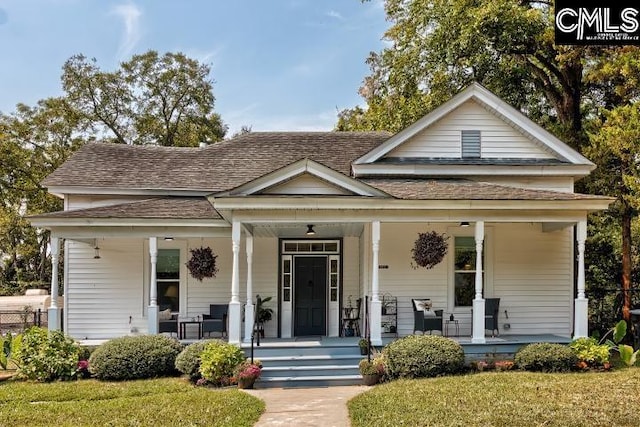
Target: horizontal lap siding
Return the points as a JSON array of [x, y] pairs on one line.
[[103, 293], [404, 282], [265, 277], [533, 276], [498, 139], [73, 201], [306, 184]]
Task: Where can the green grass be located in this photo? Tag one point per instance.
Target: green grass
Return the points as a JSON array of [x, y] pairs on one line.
[[159, 402], [504, 399]]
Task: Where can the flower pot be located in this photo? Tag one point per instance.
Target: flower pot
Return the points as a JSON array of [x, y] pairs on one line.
[[246, 383], [363, 351], [370, 379]]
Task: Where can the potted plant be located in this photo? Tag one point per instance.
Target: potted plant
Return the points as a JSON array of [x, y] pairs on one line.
[[264, 314], [429, 249], [202, 263], [246, 373], [371, 370], [364, 346]]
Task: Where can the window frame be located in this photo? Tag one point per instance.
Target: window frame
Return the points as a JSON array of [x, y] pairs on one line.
[[473, 145]]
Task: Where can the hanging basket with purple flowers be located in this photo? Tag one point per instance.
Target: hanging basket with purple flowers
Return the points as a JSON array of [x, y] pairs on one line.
[[202, 263], [429, 249]]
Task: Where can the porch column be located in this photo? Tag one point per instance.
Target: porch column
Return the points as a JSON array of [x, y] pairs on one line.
[[375, 317], [478, 302], [581, 309], [53, 312], [152, 316], [248, 308], [235, 318]]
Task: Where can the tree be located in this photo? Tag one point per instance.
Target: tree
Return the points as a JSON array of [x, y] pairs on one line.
[[151, 99], [616, 144]]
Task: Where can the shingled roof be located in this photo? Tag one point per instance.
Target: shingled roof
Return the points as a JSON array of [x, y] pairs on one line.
[[462, 189], [157, 208], [218, 167]]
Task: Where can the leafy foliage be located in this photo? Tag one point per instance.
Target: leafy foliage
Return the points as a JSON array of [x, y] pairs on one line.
[[546, 357], [47, 356], [588, 350], [218, 362], [627, 355], [417, 356], [9, 345], [375, 366], [202, 263], [429, 249], [135, 357], [188, 361]]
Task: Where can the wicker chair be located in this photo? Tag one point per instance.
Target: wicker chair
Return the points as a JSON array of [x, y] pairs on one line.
[[491, 311], [216, 320], [424, 323]]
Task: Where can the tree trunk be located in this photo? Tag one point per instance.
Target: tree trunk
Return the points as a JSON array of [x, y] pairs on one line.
[[626, 260]]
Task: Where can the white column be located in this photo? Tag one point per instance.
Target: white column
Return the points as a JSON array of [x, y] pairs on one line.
[[152, 312], [478, 302], [235, 317], [581, 309], [375, 317], [248, 308], [53, 312]]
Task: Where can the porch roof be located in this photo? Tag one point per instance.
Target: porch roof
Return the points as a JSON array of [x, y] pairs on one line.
[[156, 208], [464, 189]]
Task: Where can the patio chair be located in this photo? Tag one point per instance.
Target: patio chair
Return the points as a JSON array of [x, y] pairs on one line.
[[167, 322], [216, 320], [426, 320], [491, 311]]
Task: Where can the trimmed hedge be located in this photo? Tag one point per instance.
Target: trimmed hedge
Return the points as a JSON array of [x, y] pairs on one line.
[[137, 357], [188, 361], [546, 357], [417, 356]]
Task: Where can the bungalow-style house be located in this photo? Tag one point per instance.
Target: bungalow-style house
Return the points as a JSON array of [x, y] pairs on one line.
[[318, 220]]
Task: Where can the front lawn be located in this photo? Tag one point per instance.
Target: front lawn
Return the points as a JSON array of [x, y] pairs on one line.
[[159, 402], [504, 399]]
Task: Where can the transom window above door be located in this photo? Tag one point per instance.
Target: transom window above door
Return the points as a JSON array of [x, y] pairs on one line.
[[310, 246]]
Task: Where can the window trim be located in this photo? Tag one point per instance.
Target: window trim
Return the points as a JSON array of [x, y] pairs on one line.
[[473, 146]]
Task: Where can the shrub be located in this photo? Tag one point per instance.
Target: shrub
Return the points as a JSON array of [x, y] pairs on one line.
[[129, 358], [423, 356], [218, 362], [588, 350], [85, 351], [188, 361], [47, 356], [546, 357], [374, 366]]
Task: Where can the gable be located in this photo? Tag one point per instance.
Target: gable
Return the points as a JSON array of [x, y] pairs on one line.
[[498, 138], [306, 184]]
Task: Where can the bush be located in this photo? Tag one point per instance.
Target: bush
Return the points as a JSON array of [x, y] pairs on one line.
[[417, 356], [130, 358], [47, 356], [188, 361], [85, 351], [218, 362], [588, 350], [546, 357]]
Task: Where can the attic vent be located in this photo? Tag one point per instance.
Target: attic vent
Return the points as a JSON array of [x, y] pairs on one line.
[[471, 144]]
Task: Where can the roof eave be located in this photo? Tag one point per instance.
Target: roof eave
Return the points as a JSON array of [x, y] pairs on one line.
[[378, 169]]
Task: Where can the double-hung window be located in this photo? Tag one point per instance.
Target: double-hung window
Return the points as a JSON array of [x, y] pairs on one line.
[[464, 270], [168, 279]]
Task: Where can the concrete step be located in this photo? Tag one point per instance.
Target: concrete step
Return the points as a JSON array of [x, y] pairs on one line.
[[339, 359], [298, 350], [310, 371], [308, 381]]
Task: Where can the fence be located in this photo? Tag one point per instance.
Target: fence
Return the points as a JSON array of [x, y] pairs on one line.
[[20, 320]]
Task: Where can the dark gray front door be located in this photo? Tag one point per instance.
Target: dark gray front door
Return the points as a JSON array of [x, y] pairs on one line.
[[310, 296]]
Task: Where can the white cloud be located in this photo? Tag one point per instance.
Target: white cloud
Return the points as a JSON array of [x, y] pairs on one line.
[[336, 15], [130, 15]]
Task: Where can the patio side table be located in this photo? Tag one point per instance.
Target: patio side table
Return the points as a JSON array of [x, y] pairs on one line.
[[183, 328], [456, 325]]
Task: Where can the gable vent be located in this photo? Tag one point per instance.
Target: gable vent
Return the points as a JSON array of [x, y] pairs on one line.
[[471, 144]]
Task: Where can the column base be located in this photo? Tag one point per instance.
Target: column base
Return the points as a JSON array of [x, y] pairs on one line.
[[53, 319], [248, 322], [375, 326], [235, 322], [477, 331], [581, 318], [152, 320]]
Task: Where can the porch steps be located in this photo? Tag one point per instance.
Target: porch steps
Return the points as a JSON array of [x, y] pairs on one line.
[[307, 364]]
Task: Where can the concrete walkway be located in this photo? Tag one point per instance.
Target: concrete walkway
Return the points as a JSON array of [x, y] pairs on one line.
[[321, 406]]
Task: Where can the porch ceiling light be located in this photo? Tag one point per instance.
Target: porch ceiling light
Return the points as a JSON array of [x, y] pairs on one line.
[[310, 231], [168, 239], [464, 224]]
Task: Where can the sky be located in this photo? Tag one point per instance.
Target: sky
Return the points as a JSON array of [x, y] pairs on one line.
[[276, 64]]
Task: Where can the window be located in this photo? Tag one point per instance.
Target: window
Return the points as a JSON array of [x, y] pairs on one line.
[[168, 279], [465, 271], [471, 144]]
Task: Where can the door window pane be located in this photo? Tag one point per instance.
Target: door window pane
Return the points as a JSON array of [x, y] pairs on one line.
[[168, 279], [464, 271]]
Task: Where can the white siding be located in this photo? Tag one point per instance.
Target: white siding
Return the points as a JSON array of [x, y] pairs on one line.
[[306, 184], [102, 293], [529, 270], [563, 184], [498, 139]]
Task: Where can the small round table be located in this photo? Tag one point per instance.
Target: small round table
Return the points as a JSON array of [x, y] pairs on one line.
[[456, 325]]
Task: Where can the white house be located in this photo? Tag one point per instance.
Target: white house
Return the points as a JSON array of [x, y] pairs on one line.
[[252, 199]]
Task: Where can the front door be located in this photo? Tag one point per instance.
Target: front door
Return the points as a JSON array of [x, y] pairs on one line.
[[310, 295]]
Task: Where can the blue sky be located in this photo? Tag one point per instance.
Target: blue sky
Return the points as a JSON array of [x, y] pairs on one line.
[[277, 64]]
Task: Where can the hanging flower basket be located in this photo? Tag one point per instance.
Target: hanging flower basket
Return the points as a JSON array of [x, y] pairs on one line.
[[202, 263], [429, 249]]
